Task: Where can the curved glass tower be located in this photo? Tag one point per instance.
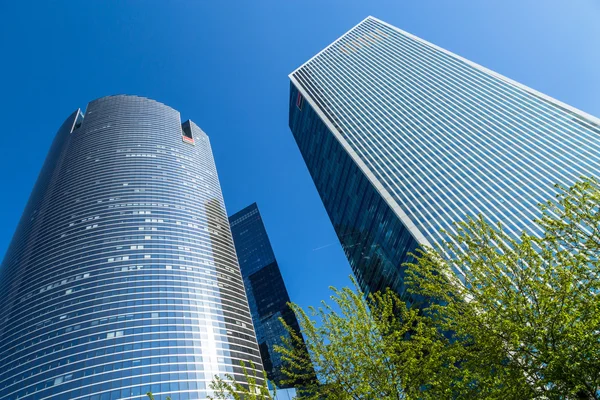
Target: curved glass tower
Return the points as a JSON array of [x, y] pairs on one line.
[[122, 277]]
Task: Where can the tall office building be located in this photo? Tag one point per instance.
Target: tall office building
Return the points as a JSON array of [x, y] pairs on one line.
[[402, 138], [265, 288], [122, 277]]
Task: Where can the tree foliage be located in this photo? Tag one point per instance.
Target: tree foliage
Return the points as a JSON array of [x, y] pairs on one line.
[[522, 320], [253, 389], [358, 347], [151, 396], [525, 316]]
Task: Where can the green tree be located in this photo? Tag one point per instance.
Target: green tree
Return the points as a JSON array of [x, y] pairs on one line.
[[151, 397], [253, 389], [521, 322], [359, 347], [525, 320], [230, 388]]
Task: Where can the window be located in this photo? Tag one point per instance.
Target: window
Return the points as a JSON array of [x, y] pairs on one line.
[[186, 130], [300, 101]]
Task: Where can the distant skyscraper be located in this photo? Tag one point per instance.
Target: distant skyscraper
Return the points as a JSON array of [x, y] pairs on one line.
[[121, 277], [265, 288], [402, 138]]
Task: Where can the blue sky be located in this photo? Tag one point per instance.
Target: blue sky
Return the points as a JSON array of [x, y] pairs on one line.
[[225, 65]]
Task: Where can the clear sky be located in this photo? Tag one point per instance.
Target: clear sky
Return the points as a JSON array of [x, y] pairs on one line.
[[225, 65]]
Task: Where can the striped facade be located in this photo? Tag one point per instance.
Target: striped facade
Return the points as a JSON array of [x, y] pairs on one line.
[[122, 277], [402, 138]]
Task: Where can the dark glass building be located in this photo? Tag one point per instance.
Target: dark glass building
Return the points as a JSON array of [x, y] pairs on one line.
[[122, 277], [265, 288], [402, 138]]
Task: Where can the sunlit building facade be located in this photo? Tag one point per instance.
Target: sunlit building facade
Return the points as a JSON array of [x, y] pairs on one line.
[[403, 138], [121, 277]]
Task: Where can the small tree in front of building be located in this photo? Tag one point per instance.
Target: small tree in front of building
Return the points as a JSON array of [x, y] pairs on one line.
[[253, 389]]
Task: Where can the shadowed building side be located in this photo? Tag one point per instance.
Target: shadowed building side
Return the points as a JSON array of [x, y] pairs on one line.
[[267, 294]]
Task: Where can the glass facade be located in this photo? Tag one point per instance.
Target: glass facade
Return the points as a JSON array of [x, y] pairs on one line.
[[121, 277], [265, 288], [402, 138]]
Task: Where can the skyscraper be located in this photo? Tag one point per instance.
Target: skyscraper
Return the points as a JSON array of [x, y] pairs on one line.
[[402, 138], [265, 288], [121, 277]]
